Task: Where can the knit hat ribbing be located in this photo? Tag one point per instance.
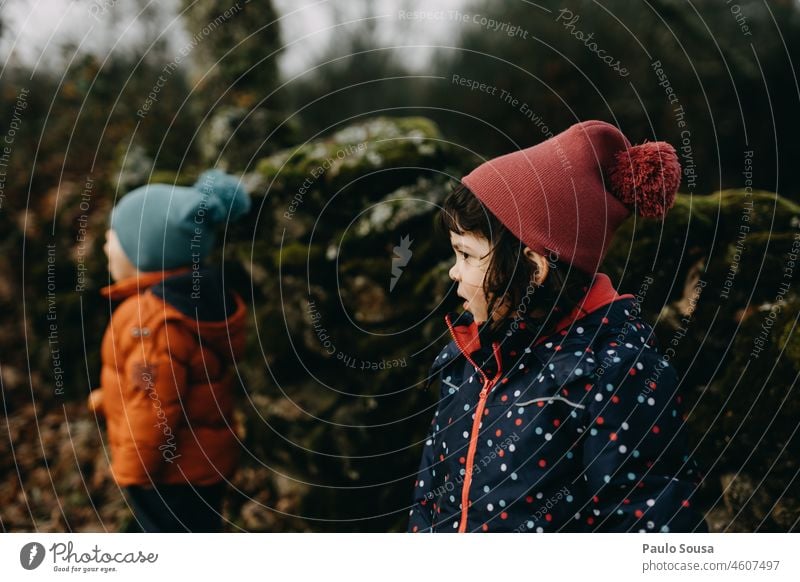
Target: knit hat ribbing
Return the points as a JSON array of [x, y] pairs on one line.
[[161, 226], [569, 194]]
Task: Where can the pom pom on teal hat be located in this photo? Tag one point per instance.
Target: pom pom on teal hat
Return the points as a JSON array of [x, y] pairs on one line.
[[161, 226]]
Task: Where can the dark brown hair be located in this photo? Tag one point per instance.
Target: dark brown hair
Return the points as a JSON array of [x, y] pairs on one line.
[[509, 281]]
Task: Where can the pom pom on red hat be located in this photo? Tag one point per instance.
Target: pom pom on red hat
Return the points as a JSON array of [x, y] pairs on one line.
[[646, 177]]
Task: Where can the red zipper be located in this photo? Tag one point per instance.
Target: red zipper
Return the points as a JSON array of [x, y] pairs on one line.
[[476, 422]]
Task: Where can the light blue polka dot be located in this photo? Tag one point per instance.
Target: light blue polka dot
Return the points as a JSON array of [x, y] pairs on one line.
[[631, 476]]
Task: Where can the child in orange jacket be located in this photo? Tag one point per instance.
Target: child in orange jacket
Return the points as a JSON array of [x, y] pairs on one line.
[[169, 352]]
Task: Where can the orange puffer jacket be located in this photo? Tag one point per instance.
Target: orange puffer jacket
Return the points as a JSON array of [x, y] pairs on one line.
[[168, 378]]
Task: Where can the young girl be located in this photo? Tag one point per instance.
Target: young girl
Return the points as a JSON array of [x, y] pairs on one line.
[[168, 354], [556, 412]]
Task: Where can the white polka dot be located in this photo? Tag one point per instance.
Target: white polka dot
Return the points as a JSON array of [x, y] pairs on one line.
[[598, 397], [623, 449], [490, 507], [465, 434], [422, 483], [651, 401], [512, 447], [625, 426], [547, 436], [579, 330], [651, 502], [503, 467]]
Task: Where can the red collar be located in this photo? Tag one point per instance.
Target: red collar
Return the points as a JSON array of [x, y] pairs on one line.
[[601, 293], [137, 284]]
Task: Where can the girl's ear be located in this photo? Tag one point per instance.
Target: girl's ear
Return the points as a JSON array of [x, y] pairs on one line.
[[542, 266]]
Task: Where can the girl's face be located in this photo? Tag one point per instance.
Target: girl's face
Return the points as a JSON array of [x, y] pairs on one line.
[[473, 254], [119, 265]]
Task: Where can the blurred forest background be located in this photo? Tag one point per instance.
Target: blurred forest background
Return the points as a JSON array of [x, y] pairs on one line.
[[369, 95]]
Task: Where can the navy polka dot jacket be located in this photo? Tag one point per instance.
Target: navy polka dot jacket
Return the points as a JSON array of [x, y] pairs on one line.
[[575, 432]]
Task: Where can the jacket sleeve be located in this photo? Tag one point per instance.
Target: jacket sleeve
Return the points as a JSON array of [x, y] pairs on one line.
[[159, 374], [634, 450], [421, 514]]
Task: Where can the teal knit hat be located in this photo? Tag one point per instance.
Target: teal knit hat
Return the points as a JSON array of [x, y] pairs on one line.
[[161, 226]]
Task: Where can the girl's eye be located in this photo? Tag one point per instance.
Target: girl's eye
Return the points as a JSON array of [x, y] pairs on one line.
[[463, 254]]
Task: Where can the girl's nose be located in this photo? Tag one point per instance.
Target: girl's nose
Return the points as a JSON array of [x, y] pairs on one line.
[[453, 272]]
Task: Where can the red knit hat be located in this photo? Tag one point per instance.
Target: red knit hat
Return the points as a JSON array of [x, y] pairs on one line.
[[570, 193]]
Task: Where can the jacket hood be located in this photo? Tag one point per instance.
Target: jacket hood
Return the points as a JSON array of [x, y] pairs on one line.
[[196, 299]]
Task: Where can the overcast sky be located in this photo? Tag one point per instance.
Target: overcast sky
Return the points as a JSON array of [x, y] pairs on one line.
[[36, 31]]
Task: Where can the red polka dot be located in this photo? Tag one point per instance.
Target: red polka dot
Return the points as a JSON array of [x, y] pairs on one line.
[[540, 404], [548, 517], [653, 385], [501, 453], [529, 499], [522, 325], [685, 503], [485, 527], [638, 513], [441, 457], [462, 460], [656, 430], [557, 348], [605, 320], [498, 432], [565, 392], [542, 463], [613, 436], [613, 344], [600, 420], [415, 529], [556, 422], [518, 422], [504, 515], [504, 381], [486, 412], [513, 353], [632, 371], [626, 501], [504, 397], [590, 520], [596, 499]]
